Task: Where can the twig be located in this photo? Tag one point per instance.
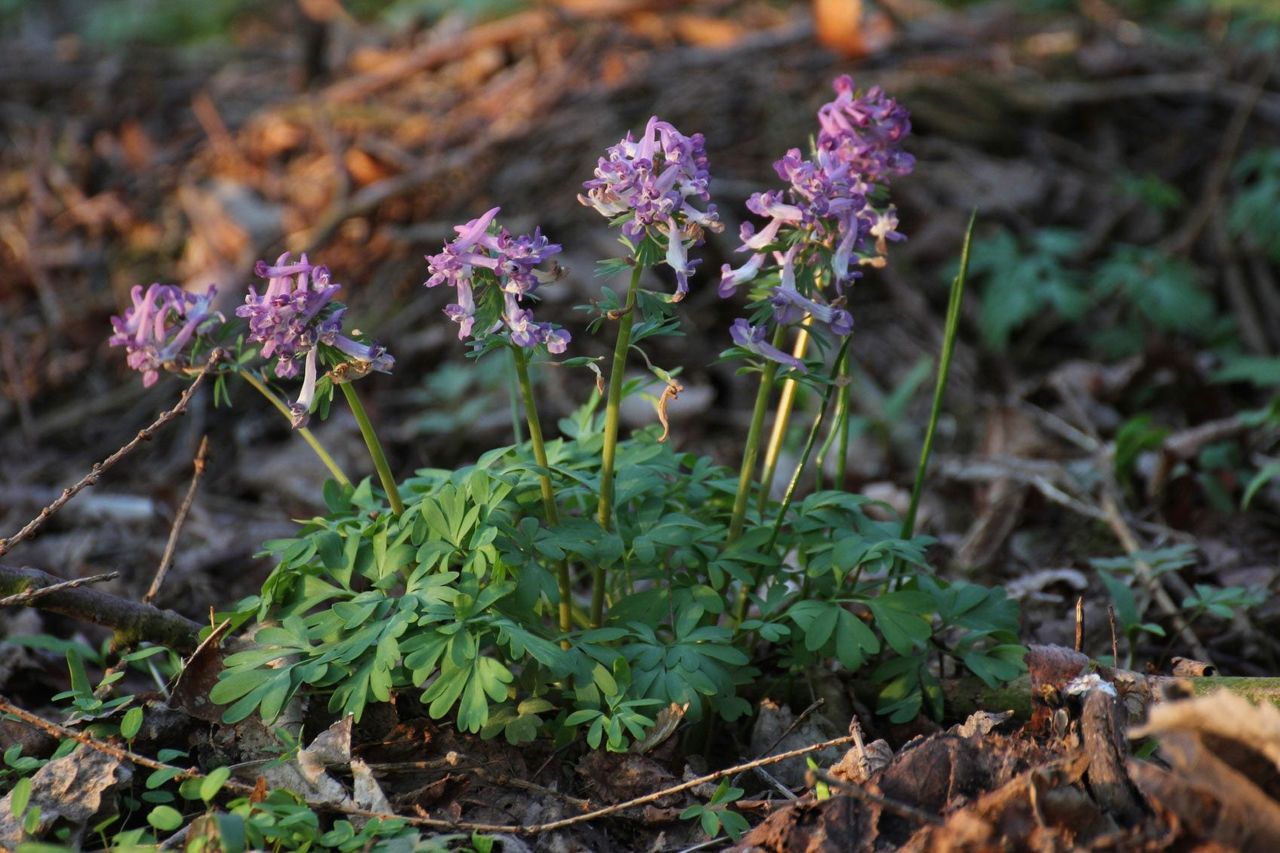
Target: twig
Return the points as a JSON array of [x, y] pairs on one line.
[[439, 50], [818, 703], [1080, 624], [100, 468], [504, 780], [59, 731], [899, 808], [185, 507], [56, 730], [36, 593], [1115, 644], [772, 780], [537, 829], [1058, 496], [133, 620], [1148, 577], [1221, 168]]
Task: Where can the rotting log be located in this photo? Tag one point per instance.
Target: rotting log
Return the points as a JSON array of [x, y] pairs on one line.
[[132, 621]]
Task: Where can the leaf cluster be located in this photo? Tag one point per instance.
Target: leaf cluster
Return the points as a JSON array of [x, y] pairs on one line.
[[454, 601]]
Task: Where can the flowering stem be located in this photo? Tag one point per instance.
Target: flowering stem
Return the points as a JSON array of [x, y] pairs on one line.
[[741, 610], [375, 447], [544, 480], [842, 419], [839, 429], [307, 435], [944, 369], [786, 401], [613, 405], [516, 428], [752, 449]]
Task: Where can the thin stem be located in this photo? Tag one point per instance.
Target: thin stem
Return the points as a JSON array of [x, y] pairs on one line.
[[944, 369], [307, 435], [789, 496], [612, 416], [752, 449], [375, 447], [787, 499], [786, 401], [544, 480], [837, 429], [517, 429], [843, 403]]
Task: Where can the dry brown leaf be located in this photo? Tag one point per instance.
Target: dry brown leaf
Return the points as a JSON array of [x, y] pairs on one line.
[[1223, 716], [68, 791]]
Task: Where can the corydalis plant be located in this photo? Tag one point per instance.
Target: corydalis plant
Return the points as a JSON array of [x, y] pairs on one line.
[[496, 274], [160, 327], [828, 222], [294, 316], [492, 272], [646, 187]]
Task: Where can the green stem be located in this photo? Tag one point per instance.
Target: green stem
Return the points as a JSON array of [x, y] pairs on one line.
[[612, 415], [307, 435], [752, 450], [837, 430], [375, 447], [787, 498], [544, 481], [516, 428], [944, 368], [842, 420]]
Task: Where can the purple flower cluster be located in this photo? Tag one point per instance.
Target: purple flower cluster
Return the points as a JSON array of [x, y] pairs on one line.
[[648, 184], [160, 324], [294, 315], [481, 255], [866, 132], [825, 214]]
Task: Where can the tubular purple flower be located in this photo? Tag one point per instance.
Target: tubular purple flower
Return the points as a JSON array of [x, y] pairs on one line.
[[299, 410], [294, 316], [790, 307], [885, 227], [731, 279], [557, 341], [160, 324], [463, 312], [752, 339], [484, 256], [678, 260], [650, 184], [374, 355]]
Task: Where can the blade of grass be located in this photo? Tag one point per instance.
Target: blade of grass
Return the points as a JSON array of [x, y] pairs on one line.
[[944, 369]]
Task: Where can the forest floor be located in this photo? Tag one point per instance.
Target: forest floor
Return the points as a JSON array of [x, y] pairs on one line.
[[1108, 452]]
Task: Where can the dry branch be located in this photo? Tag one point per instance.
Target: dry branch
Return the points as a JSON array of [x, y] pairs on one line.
[[513, 829], [34, 525], [167, 559], [134, 622], [27, 596]]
